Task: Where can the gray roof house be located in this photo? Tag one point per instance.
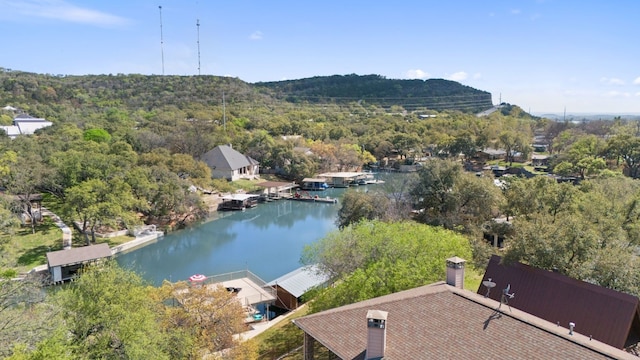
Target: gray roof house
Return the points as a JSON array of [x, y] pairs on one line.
[[444, 321], [227, 163]]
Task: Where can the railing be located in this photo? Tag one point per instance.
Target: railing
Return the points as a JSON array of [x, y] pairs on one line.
[[217, 279]]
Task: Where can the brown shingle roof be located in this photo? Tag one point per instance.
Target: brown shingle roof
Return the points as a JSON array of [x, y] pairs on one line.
[[605, 314], [441, 322], [78, 255]]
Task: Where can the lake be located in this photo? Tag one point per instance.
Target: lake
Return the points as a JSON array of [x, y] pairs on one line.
[[267, 240]]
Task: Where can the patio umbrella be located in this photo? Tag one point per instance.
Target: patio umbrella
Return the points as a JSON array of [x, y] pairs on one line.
[[197, 278]]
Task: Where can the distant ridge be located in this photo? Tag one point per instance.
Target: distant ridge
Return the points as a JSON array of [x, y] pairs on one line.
[[148, 91], [436, 94]]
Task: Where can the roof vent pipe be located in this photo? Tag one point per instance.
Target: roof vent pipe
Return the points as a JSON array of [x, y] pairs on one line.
[[571, 326]]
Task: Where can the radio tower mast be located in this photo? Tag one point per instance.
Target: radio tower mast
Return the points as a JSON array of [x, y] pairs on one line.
[[198, 25], [161, 40]]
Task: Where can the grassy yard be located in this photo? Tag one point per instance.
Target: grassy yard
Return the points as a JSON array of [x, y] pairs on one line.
[[281, 338], [24, 250]]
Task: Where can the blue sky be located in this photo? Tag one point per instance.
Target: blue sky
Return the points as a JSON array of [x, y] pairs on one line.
[[543, 55]]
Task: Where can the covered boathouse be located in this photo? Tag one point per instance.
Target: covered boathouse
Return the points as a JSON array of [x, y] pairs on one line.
[[291, 286], [64, 264]]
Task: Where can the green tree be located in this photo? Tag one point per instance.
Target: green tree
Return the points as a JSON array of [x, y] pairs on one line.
[[97, 135], [359, 205], [592, 237], [626, 147], [445, 195], [527, 197], [374, 258], [95, 202], [24, 181], [109, 315], [25, 317]]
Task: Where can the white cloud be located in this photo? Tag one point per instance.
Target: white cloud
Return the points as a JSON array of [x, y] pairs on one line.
[[458, 76], [612, 81], [417, 74], [257, 35], [60, 10], [637, 81], [515, 11], [638, 94], [477, 76], [616, 94]]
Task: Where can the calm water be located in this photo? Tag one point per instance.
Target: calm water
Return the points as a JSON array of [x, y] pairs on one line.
[[267, 240]]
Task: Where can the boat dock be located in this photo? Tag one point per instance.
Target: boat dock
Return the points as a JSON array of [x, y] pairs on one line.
[[305, 196], [238, 202], [275, 190]]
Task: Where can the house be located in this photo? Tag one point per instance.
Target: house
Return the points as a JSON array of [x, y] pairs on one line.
[[64, 264], [609, 316], [291, 286], [24, 124], [539, 160], [443, 321], [491, 154], [227, 163]]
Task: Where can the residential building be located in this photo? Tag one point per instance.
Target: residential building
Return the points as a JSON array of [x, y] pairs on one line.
[[444, 321], [227, 163]]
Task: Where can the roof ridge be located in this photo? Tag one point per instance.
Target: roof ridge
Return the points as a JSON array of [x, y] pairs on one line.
[[544, 325]]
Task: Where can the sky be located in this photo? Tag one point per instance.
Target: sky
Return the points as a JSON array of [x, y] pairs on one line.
[[546, 56]]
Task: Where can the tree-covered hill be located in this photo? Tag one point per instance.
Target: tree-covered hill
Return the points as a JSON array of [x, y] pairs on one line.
[[436, 94], [30, 91]]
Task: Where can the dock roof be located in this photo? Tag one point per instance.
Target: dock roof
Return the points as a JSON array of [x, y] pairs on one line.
[[239, 197], [300, 280], [78, 255]]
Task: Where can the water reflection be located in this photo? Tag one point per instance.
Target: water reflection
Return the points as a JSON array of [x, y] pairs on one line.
[[267, 240]]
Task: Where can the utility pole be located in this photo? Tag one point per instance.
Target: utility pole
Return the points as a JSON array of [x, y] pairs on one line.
[[224, 114]]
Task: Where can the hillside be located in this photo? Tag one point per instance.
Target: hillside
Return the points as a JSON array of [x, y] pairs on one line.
[[436, 94], [31, 91]]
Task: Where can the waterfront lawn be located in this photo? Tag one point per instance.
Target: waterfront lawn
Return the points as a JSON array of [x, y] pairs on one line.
[[24, 250], [79, 240]]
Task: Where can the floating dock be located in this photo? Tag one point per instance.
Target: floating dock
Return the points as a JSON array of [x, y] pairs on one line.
[[304, 196]]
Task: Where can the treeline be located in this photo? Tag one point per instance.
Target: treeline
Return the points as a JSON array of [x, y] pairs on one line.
[[436, 94]]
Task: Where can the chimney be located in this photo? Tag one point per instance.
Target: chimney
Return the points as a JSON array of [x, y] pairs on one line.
[[376, 334], [455, 272]]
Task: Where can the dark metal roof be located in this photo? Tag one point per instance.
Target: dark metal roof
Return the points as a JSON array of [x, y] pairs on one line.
[[605, 314], [439, 321], [78, 255]]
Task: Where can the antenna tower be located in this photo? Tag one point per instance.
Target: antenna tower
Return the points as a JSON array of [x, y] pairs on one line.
[[198, 26], [161, 39]]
